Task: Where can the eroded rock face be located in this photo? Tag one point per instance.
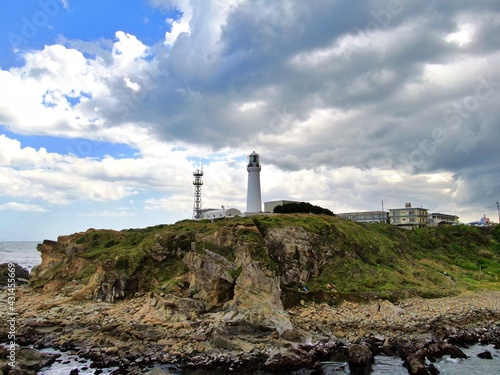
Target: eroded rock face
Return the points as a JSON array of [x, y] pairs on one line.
[[61, 266], [257, 300], [246, 288], [52, 256], [292, 250], [210, 277]]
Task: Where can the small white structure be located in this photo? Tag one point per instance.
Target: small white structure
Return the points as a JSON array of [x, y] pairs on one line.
[[212, 213], [254, 201]]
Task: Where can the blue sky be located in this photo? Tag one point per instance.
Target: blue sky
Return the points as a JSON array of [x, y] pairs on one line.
[[32, 24], [76, 146], [106, 107]]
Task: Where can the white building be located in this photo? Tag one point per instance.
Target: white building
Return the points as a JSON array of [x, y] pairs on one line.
[[436, 219], [254, 201], [408, 217], [366, 216]]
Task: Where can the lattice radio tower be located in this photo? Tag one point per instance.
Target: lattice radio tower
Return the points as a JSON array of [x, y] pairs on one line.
[[198, 183]]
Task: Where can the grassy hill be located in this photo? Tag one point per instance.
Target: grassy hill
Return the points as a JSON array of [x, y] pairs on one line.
[[379, 260], [344, 259]]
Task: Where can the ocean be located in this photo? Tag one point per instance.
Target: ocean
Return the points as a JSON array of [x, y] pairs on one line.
[[22, 253], [26, 255]]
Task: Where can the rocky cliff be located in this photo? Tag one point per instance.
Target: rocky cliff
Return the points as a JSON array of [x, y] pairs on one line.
[[247, 268]]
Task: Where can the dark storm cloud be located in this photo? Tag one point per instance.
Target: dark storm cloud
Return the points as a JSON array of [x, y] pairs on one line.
[[395, 87]]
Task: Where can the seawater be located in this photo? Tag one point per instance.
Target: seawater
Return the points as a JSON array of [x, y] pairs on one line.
[[473, 365], [67, 362], [23, 253], [382, 366], [26, 255]]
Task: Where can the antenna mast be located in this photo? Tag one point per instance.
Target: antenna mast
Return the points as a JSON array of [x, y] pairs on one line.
[[198, 183]]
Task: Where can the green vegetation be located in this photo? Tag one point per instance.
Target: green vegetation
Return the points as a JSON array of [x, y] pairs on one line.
[[302, 207], [353, 260]]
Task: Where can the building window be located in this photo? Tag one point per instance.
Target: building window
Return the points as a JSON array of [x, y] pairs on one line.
[[411, 213]]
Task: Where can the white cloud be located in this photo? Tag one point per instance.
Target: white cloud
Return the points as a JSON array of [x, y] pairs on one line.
[[462, 37], [128, 50], [15, 206], [61, 179], [181, 25], [119, 212]]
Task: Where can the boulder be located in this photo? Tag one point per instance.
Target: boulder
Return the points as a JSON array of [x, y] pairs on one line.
[[360, 359], [231, 343], [33, 360], [19, 371], [485, 355], [158, 371], [415, 362], [439, 349], [286, 360], [21, 274]]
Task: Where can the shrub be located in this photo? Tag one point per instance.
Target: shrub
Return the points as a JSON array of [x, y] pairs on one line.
[[302, 207]]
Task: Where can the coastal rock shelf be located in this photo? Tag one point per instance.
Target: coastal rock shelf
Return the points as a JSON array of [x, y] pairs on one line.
[[134, 333]]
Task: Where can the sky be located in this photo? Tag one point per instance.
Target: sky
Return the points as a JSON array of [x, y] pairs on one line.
[[107, 107]]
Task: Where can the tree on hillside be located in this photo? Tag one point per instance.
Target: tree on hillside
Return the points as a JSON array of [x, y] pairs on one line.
[[302, 207]]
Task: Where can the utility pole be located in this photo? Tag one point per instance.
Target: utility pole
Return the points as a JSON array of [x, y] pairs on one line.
[[498, 210]]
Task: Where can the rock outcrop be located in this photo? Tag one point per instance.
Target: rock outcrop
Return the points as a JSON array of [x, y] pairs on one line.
[[360, 359], [246, 289], [416, 362], [21, 274], [211, 277], [27, 361], [292, 249], [229, 270]]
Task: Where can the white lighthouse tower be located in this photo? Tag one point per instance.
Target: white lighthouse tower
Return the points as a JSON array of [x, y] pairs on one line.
[[254, 202]]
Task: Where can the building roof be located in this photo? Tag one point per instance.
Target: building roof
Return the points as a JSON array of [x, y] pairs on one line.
[[440, 214], [362, 212], [408, 208]]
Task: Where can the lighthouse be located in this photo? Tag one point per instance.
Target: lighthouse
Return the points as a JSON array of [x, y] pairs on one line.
[[254, 202]]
